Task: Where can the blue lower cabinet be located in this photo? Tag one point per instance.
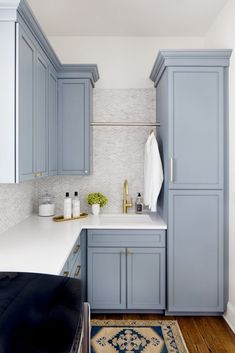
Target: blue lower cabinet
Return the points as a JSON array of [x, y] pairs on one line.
[[107, 278], [146, 278], [76, 264], [195, 251], [126, 277]]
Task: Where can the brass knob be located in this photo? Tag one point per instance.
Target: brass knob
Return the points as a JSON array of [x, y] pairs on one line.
[[129, 252], [66, 273], [38, 174]]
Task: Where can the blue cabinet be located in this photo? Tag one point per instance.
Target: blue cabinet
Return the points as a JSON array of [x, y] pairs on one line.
[[195, 251], [26, 103], [74, 127], [52, 123], [128, 272], [107, 278], [196, 127], [191, 88], [146, 278], [33, 114], [29, 103], [76, 264], [41, 117]]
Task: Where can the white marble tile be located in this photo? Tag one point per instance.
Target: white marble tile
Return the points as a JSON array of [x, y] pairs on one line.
[[16, 203]]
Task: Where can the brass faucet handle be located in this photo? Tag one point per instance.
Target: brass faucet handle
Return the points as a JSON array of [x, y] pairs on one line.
[[129, 203]]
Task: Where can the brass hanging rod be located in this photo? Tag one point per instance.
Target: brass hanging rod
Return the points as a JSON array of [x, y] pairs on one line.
[[110, 123]]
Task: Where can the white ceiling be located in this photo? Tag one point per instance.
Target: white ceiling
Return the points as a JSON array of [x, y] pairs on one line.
[[126, 17]]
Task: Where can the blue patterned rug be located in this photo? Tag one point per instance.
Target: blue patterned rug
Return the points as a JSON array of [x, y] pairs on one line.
[[118, 336]]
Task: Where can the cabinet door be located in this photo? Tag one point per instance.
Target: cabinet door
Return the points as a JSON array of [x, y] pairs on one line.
[[195, 251], [196, 111], [83, 251], [107, 278], [74, 127], [52, 123], [146, 278], [27, 84], [41, 118]]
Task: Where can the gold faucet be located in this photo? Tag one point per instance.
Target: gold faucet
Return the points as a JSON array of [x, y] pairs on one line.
[[125, 203]]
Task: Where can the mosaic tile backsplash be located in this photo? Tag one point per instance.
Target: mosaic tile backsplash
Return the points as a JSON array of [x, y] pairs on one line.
[[118, 154], [16, 203]]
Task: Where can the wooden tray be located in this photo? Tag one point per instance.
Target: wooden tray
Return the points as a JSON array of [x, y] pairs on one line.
[[61, 218]]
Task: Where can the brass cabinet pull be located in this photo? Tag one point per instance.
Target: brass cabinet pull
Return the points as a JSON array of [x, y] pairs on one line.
[[38, 174], [66, 273], [129, 252], [78, 269], [76, 250]]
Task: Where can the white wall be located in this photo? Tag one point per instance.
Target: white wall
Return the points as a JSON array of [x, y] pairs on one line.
[[222, 35], [123, 62]]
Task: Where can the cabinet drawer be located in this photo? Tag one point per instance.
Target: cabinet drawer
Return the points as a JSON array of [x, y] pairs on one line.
[[126, 237], [75, 253]]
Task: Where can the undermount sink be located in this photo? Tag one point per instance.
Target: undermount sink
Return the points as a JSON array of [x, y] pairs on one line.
[[125, 218]]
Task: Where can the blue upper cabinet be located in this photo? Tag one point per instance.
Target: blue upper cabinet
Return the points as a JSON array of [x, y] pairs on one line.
[[74, 126], [32, 116], [52, 123], [191, 83], [41, 118], [197, 126], [29, 104], [26, 108]]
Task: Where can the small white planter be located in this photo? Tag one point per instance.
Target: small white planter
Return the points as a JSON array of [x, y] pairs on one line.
[[95, 209]]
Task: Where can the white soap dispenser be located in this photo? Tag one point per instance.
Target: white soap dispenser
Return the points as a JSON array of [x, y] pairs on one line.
[[76, 205], [67, 206]]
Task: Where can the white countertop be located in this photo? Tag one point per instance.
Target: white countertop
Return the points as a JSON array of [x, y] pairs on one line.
[[40, 245]]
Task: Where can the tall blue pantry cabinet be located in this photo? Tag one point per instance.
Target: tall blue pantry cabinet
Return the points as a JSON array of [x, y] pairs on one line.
[[191, 106]]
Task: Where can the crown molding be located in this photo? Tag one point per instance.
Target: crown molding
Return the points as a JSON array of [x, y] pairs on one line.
[[8, 10], [19, 11], [203, 57]]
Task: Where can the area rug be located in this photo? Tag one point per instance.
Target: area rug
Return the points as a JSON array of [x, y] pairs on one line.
[[119, 336]]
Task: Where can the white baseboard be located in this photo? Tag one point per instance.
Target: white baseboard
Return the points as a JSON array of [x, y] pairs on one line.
[[229, 316]]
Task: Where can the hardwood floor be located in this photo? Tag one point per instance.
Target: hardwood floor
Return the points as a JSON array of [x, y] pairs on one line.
[[201, 334]]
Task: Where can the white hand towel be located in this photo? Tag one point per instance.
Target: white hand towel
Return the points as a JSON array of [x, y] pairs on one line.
[[147, 172], [153, 173]]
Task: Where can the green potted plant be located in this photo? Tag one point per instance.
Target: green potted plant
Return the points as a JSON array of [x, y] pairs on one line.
[[96, 200]]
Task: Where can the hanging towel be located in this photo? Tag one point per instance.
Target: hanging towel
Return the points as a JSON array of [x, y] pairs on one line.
[[153, 173]]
